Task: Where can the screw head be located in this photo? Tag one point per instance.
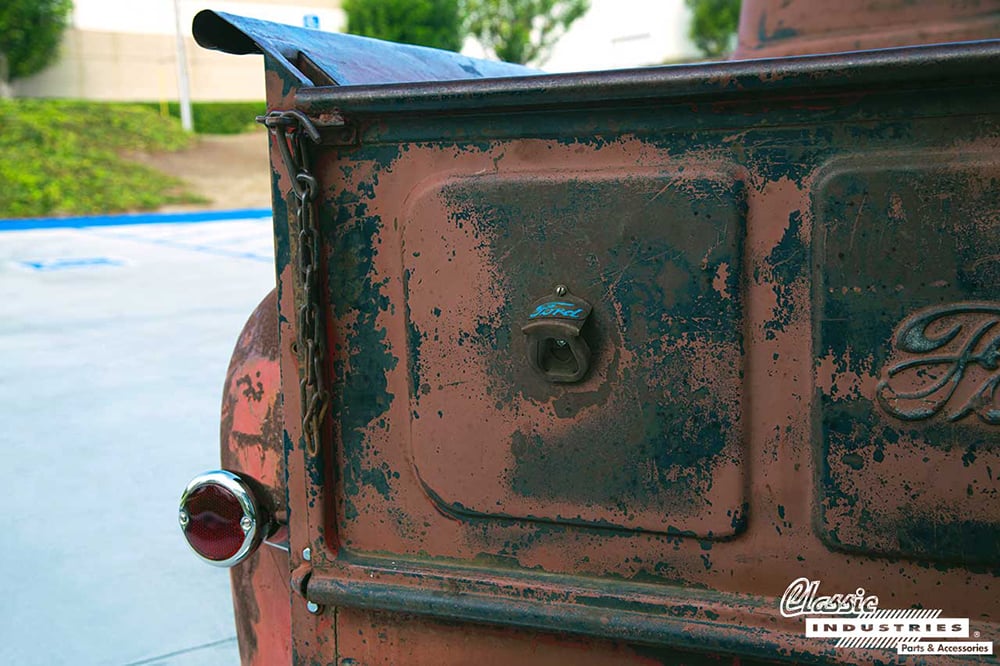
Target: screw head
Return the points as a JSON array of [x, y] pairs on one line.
[[246, 523], [561, 343], [313, 607], [561, 290], [306, 554], [183, 518]]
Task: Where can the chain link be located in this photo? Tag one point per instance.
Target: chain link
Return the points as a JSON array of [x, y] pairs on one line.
[[290, 130]]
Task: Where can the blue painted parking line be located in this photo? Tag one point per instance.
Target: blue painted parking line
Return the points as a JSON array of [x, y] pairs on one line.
[[18, 224], [46, 265]]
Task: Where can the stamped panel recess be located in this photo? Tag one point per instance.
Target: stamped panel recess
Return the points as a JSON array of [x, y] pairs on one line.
[[908, 344], [650, 440]]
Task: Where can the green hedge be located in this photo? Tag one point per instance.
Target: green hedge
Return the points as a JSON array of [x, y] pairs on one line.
[[65, 158], [218, 117]]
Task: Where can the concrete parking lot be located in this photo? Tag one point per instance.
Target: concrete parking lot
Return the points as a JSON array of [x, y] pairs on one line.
[[114, 342]]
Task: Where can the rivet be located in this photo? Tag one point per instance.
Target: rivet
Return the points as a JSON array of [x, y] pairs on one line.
[[183, 518], [306, 554], [313, 607]]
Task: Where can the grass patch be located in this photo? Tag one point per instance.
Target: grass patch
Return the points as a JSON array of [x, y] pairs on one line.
[[218, 117], [62, 157]]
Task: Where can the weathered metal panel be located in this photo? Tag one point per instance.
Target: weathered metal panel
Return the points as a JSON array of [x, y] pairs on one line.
[[657, 252], [252, 433], [770, 28], [788, 269], [734, 431], [907, 352], [387, 639]]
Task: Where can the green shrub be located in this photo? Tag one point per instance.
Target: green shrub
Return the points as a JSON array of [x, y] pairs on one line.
[[218, 117], [64, 158]]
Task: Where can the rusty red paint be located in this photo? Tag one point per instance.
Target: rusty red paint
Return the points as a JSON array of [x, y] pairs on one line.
[[374, 639], [777, 384], [252, 423], [770, 28], [462, 508]]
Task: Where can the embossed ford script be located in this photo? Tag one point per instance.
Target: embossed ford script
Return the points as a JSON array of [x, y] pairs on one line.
[[946, 362]]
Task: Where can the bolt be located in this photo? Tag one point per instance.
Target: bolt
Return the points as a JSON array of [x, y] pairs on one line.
[[183, 518], [246, 523], [561, 290], [306, 554], [314, 607]]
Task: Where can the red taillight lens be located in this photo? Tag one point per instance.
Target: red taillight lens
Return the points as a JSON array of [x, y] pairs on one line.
[[219, 517], [213, 528]]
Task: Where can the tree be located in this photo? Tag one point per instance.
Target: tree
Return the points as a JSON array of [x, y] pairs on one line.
[[522, 31], [713, 25], [436, 23], [30, 31]]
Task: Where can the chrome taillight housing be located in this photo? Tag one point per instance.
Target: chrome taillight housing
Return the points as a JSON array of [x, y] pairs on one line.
[[221, 518]]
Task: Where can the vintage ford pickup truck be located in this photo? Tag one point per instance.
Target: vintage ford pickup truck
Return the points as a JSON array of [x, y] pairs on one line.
[[679, 365]]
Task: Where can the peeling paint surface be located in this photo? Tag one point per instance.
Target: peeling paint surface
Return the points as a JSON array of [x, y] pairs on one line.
[[252, 445], [756, 264], [489, 436], [902, 476], [792, 27]]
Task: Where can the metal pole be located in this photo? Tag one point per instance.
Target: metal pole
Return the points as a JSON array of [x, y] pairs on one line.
[[5, 90], [184, 88]]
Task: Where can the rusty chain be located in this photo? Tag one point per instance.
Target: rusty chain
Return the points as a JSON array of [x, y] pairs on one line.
[[290, 130]]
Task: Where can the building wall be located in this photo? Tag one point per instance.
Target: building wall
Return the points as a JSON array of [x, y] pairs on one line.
[[617, 34], [117, 66], [112, 52]]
